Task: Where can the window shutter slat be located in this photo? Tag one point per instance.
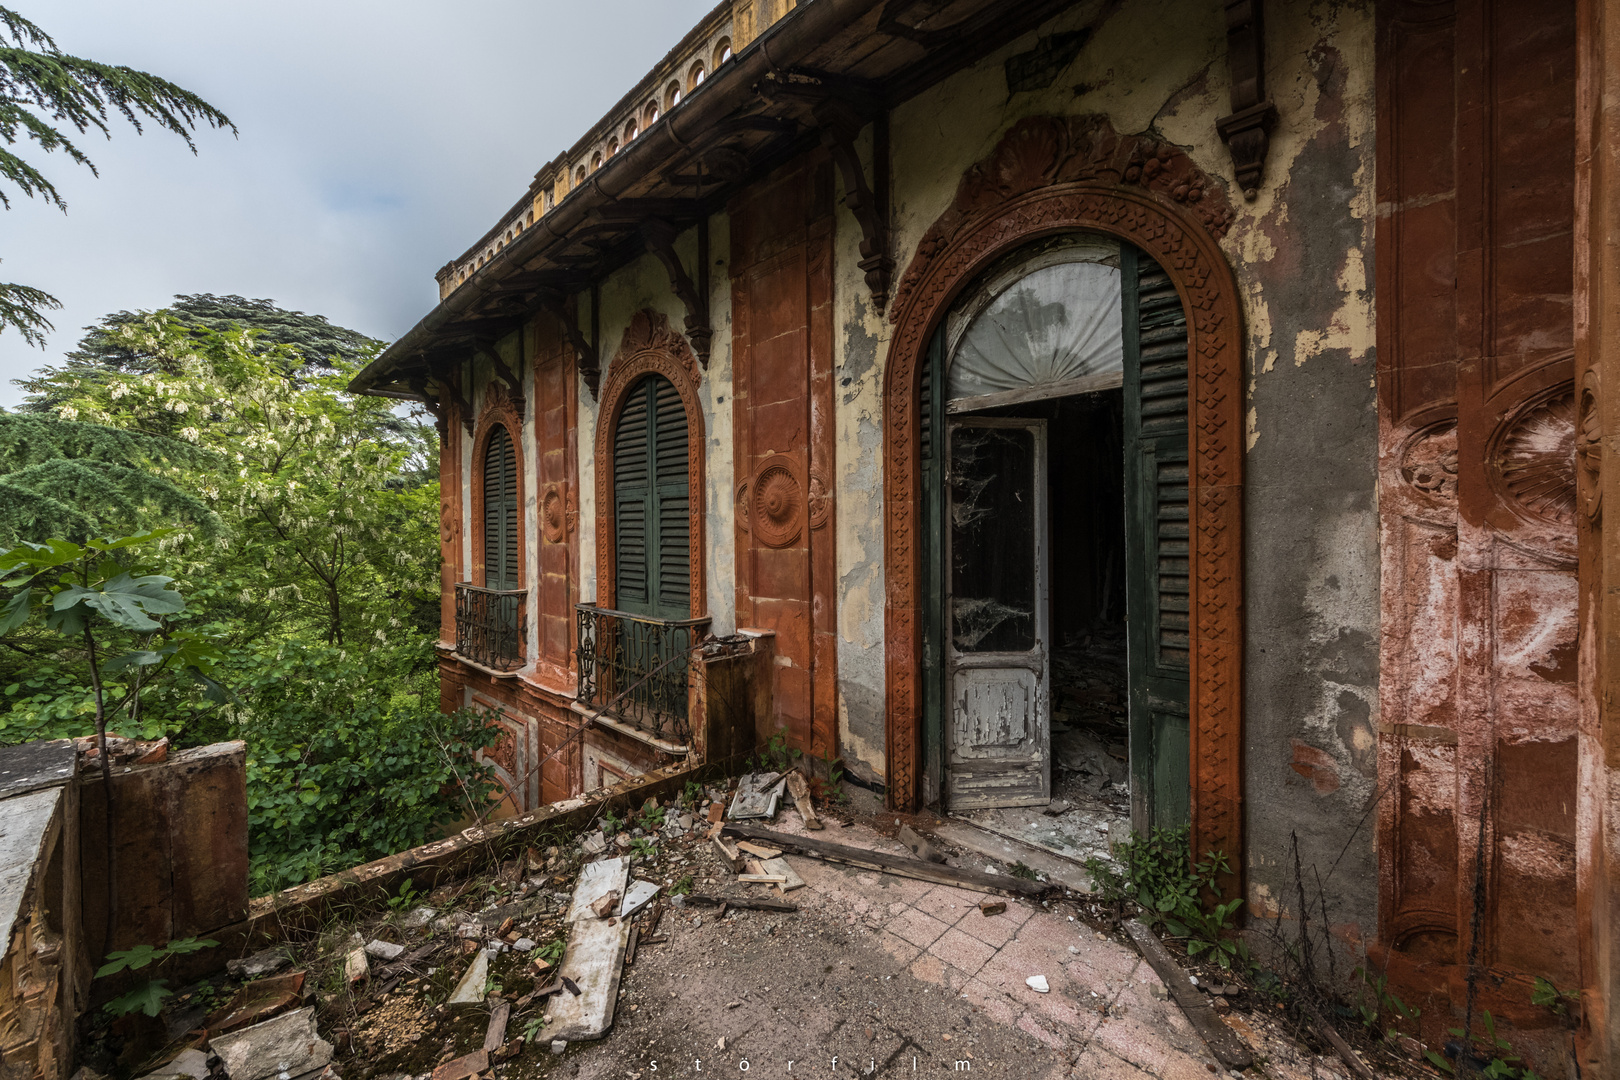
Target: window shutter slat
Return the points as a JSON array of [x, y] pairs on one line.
[[501, 555], [652, 500]]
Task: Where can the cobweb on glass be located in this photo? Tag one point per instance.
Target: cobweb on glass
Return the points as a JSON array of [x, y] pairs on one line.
[[1059, 323]]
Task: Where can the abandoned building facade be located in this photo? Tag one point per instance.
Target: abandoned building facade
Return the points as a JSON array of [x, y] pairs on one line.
[[938, 382]]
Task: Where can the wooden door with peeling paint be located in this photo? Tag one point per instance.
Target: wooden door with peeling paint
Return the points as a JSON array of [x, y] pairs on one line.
[[1477, 746], [997, 645]]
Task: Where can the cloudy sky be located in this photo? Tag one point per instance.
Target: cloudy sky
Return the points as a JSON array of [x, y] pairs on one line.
[[378, 140]]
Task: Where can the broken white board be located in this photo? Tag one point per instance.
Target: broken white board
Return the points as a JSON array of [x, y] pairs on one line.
[[596, 880], [594, 960], [636, 899], [594, 957]]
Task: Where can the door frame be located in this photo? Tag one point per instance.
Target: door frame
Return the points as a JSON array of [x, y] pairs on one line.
[[1052, 179]]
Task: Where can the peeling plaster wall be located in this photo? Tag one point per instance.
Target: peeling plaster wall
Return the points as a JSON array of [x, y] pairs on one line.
[[1302, 254], [644, 284]]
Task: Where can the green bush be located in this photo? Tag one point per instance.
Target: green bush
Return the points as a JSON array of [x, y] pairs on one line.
[[342, 769]]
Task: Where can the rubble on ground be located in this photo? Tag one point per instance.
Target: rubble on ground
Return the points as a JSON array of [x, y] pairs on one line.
[[498, 975]]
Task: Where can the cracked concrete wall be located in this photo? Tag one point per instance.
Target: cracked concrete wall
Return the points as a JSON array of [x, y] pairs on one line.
[[1302, 254]]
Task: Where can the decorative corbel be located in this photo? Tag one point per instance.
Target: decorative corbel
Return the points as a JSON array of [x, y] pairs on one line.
[[453, 393], [584, 351], [514, 385], [660, 236], [1248, 130], [840, 124], [435, 407]]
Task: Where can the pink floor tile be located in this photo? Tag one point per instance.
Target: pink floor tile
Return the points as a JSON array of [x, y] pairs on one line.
[[902, 950], [919, 929], [994, 931], [1098, 1064], [961, 951]]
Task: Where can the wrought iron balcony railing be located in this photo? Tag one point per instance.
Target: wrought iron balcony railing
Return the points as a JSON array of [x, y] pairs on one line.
[[489, 626], [634, 669]]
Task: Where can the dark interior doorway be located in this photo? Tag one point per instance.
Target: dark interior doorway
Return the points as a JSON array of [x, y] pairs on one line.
[[1089, 676]]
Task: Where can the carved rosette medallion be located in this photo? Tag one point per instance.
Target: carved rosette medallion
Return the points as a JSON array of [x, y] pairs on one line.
[[742, 507], [553, 514], [820, 499], [1532, 458], [776, 507]]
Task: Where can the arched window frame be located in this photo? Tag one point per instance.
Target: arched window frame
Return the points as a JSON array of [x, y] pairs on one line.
[[651, 111], [672, 95], [499, 411], [650, 346], [722, 52], [695, 78], [630, 132]]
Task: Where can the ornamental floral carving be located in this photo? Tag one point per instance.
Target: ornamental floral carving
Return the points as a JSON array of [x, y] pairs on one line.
[[776, 505], [1041, 151], [1533, 458], [554, 525], [650, 332]]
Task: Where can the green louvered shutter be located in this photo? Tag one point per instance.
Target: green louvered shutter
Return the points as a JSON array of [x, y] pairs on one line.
[[500, 512], [1158, 542], [652, 503]]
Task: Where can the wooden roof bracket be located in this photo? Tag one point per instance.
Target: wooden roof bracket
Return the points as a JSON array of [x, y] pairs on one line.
[[567, 313], [1248, 130], [505, 373], [841, 123], [452, 392], [660, 236], [435, 407]]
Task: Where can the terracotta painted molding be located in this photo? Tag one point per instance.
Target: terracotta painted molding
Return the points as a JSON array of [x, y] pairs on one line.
[[499, 409], [1050, 176], [649, 346]]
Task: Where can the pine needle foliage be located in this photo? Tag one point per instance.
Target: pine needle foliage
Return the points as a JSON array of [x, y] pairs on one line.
[[48, 98], [77, 480]]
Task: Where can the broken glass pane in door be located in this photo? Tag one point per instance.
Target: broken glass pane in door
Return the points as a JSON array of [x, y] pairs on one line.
[[992, 523]]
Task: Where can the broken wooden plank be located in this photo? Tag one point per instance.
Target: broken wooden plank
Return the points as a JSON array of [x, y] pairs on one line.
[[761, 879], [780, 866], [747, 902], [1228, 1048], [1070, 875], [729, 855], [919, 845], [630, 949], [495, 1034], [759, 851], [801, 799], [1347, 1055], [892, 864]]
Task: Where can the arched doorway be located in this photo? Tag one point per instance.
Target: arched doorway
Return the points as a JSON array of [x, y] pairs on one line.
[[1048, 177], [1055, 577]]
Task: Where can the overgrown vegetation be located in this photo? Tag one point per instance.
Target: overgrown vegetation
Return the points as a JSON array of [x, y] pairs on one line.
[[299, 522]]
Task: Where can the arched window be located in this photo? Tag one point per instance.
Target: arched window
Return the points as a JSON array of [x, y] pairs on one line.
[[651, 502], [613, 147], [629, 132], [722, 52], [579, 176], [500, 512], [695, 80], [652, 113], [596, 161], [672, 96]]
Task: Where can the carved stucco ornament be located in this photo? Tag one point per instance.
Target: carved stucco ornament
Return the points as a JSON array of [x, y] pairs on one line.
[[820, 498], [1429, 462], [554, 514], [1532, 458], [777, 505]]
